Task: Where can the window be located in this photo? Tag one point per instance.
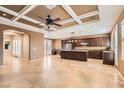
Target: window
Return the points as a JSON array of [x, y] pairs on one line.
[[16, 47], [122, 35], [48, 46]]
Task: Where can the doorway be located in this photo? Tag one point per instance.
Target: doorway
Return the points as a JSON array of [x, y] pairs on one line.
[[47, 47], [16, 45]]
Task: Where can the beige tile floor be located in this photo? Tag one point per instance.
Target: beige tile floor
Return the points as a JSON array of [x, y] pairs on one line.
[[54, 72]]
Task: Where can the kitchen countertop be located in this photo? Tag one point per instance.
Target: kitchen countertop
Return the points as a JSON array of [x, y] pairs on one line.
[[90, 48], [86, 49], [76, 50], [108, 51]]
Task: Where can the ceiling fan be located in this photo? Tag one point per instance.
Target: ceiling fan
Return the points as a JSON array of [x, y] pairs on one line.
[[49, 21]]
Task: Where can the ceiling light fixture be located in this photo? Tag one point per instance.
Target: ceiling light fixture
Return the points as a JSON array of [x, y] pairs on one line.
[[50, 6], [94, 27], [4, 14], [71, 37]]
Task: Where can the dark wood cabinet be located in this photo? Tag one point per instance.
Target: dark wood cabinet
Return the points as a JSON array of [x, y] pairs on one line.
[[108, 57], [95, 54], [55, 51], [75, 55], [99, 41], [91, 42]]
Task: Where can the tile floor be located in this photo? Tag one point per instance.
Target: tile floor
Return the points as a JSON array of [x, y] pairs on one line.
[[54, 72]]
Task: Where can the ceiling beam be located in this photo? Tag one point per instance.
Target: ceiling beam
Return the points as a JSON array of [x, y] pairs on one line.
[[36, 22], [42, 24], [61, 22], [33, 20], [6, 21], [72, 13], [24, 11], [86, 23], [66, 21], [93, 13], [8, 11]]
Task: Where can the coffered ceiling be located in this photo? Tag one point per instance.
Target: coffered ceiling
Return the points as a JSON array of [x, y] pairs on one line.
[[82, 19], [69, 15], [16, 8], [56, 12], [29, 23], [83, 9], [6, 15], [108, 15], [91, 18]]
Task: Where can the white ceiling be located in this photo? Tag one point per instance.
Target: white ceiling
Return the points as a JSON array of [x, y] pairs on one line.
[[108, 16]]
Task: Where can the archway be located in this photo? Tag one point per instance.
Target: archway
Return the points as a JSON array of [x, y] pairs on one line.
[[16, 45]]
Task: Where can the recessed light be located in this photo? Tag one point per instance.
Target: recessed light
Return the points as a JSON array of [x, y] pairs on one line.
[[4, 14], [95, 27], [50, 6]]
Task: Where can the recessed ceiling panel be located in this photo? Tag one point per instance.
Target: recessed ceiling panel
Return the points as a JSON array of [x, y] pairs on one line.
[[69, 24], [42, 11], [5, 15], [30, 23], [92, 18], [66, 25], [16, 8], [82, 9]]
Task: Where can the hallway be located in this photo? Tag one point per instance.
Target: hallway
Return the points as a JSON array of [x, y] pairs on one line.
[[51, 71]]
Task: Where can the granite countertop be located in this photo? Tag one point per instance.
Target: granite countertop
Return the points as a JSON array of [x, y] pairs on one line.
[[108, 51], [86, 49], [89, 48], [76, 50]]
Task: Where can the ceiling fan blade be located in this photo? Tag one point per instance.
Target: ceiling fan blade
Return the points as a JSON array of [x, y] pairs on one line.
[[57, 19], [57, 24]]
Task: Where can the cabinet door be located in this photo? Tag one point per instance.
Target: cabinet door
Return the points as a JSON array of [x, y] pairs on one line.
[[95, 54], [98, 54]]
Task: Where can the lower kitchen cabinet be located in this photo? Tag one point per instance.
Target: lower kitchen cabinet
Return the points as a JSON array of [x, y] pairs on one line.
[[95, 54], [108, 57]]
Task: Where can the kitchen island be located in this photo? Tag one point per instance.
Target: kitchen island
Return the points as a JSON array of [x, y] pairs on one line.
[[83, 53], [93, 52], [74, 55]]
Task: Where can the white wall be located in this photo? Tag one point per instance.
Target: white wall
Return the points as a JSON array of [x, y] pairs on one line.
[[114, 44], [1, 49], [8, 52]]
